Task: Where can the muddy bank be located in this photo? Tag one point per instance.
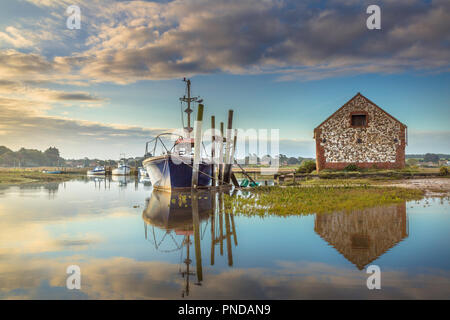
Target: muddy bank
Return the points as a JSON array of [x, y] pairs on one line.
[[432, 186]]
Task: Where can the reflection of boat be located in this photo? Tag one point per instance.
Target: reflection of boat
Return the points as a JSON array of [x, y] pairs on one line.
[[173, 211], [122, 169], [97, 171], [181, 214], [145, 180], [362, 236], [172, 168], [122, 180]]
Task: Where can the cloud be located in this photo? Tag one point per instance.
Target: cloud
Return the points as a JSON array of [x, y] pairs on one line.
[[129, 41], [126, 278], [21, 119], [13, 36], [75, 96]]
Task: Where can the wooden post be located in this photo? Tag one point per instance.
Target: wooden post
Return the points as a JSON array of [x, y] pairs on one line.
[[227, 169], [213, 150], [220, 175], [197, 145], [234, 180]]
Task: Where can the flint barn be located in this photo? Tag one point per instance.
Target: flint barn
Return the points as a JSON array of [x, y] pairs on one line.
[[360, 133]]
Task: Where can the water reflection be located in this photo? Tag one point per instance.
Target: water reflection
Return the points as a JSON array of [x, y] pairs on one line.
[[362, 236], [181, 214], [191, 240]]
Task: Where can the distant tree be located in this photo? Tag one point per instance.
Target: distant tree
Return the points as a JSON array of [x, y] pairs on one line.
[[307, 166], [4, 150], [283, 159], [9, 159], [412, 162], [431, 157], [52, 155], [292, 160]]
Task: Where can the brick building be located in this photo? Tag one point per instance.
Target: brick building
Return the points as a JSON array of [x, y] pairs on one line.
[[360, 133]]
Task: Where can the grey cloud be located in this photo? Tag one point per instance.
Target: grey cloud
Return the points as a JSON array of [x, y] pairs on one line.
[[279, 37], [76, 96], [129, 41]]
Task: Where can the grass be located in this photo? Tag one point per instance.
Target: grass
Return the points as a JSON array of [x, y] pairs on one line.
[[287, 201], [20, 176]]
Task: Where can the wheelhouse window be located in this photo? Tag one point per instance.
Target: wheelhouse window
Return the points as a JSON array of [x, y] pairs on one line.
[[359, 120]]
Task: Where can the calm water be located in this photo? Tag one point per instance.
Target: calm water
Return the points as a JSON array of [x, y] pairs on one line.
[[132, 244]]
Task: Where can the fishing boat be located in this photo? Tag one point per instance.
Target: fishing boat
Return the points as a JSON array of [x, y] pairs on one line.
[[122, 169], [172, 169], [97, 171]]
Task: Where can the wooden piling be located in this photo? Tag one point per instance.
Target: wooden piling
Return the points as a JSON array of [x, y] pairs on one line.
[[231, 160], [197, 144], [213, 150], [220, 175], [227, 169]]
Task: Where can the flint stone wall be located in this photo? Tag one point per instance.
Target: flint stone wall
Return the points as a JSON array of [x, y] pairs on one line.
[[380, 141]]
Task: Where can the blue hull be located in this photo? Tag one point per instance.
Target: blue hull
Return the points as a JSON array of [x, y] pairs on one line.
[[166, 174]]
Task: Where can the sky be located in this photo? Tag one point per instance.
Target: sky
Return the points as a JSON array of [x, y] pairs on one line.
[[113, 84]]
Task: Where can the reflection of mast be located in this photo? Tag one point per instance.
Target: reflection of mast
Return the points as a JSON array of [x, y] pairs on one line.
[[198, 252], [187, 261], [180, 214]]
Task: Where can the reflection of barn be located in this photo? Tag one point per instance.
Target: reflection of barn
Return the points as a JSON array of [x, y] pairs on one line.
[[363, 235]]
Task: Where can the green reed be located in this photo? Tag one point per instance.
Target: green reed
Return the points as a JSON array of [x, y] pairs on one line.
[[288, 201]]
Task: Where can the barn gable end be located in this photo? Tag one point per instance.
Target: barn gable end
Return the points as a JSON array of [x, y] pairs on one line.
[[360, 133]]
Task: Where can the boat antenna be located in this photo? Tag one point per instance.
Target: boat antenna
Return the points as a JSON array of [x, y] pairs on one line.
[[188, 100]]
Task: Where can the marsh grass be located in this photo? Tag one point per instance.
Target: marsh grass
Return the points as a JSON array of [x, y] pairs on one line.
[[20, 176], [288, 201]]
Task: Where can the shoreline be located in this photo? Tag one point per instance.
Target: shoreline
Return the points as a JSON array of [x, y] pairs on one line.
[[432, 186]]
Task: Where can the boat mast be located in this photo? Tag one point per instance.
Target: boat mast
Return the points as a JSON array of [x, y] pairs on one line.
[[188, 110]]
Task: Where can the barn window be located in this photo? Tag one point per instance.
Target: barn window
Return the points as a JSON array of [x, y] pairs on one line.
[[359, 120]]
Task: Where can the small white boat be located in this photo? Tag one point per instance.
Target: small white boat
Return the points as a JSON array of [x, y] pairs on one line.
[[122, 169], [142, 172], [97, 171]]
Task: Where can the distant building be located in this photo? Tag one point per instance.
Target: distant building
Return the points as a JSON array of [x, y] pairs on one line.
[[360, 133]]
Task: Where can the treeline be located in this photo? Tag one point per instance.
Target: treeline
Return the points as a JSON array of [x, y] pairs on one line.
[[429, 157], [267, 160], [51, 158], [30, 157]]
